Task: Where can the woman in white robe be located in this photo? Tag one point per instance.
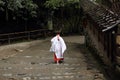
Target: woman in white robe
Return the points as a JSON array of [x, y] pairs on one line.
[[58, 47]]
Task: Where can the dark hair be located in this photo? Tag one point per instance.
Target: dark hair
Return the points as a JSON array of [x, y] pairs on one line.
[[58, 32]]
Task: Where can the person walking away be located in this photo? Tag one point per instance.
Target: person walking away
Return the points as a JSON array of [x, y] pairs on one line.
[[58, 46]]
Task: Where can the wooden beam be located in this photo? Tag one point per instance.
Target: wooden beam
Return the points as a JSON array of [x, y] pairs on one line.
[[110, 27]]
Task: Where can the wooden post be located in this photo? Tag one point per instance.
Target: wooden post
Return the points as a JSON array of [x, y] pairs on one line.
[[28, 36], [8, 39]]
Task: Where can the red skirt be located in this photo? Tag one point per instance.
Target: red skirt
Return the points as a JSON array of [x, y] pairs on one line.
[[57, 59]]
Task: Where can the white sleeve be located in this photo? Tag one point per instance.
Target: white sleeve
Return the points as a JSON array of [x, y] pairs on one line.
[[63, 45]]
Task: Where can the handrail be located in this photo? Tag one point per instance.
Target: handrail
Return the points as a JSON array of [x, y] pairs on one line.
[[23, 32], [9, 37]]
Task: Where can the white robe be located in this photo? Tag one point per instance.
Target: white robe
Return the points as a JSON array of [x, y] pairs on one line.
[[58, 46]]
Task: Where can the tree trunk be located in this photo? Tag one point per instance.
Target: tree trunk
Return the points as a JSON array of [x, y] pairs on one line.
[[50, 24], [6, 11], [50, 21]]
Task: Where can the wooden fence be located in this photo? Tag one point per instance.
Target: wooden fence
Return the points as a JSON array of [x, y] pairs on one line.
[[26, 35], [118, 44]]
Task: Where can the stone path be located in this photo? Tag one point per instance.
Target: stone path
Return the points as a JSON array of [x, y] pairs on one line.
[[36, 62]]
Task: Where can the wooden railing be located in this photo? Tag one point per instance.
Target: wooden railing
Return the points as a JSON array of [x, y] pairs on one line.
[[26, 35]]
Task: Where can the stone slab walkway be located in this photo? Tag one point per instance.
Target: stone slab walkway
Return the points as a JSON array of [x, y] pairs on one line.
[[33, 61]]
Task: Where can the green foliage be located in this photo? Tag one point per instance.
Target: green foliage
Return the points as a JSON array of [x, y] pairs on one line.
[[18, 5], [98, 1], [70, 22], [14, 5], [76, 3], [72, 1], [56, 4], [19, 8], [2, 3], [30, 7]]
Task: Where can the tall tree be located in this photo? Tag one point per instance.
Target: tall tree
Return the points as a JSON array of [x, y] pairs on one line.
[[60, 5], [2, 3], [17, 7]]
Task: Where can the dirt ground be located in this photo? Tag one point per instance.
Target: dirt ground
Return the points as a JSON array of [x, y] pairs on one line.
[[11, 50], [33, 61]]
